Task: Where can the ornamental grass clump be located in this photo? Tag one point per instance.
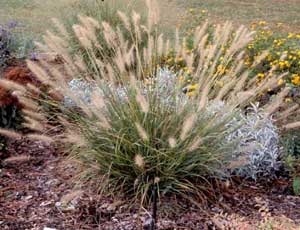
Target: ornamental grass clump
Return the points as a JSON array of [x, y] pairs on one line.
[[128, 123]]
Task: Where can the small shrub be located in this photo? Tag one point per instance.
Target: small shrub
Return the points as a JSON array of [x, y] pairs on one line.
[[13, 45], [10, 108], [5, 41], [258, 149], [291, 143]]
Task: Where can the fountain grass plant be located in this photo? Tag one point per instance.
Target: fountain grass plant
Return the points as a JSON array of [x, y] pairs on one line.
[[130, 135]]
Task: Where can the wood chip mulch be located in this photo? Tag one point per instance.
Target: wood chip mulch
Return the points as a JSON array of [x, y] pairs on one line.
[[36, 193]]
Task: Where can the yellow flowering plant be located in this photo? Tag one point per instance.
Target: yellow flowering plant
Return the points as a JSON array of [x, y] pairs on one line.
[[284, 53], [284, 49]]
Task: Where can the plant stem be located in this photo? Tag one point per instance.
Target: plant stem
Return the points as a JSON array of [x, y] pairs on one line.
[[154, 206]]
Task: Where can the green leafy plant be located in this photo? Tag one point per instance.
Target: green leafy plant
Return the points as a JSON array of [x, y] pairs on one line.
[[291, 142], [10, 118]]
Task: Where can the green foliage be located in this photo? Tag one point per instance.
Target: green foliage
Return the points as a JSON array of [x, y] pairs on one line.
[[296, 185], [13, 44], [10, 118], [291, 142]]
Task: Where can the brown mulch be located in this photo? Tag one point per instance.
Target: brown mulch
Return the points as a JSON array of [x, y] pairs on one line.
[[36, 193]]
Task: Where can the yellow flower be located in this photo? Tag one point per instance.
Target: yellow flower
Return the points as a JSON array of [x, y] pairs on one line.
[[296, 79], [170, 60], [221, 69], [188, 51], [194, 86], [290, 35], [262, 23], [220, 83], [191, 10], [190, 94], [247, 62], [288, 99], [287, 64], [188, 71], [261, 75], [280, 82], [281, 64]]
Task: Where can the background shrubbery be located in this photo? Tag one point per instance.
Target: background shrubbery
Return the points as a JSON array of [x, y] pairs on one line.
[[13, 48], [13, 44]]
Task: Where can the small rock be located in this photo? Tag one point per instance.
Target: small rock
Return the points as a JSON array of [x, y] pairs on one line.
[[52, 182], [17, 159], [43, 204], [28, 197], [58, 204]]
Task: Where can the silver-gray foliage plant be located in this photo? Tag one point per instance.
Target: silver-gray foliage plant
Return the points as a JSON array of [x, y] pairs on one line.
[[258, 149]]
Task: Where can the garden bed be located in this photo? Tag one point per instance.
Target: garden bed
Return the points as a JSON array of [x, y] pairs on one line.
[[35, 181], [103, 119]]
